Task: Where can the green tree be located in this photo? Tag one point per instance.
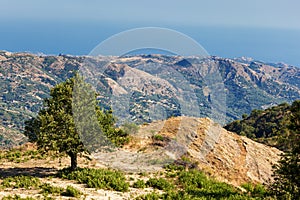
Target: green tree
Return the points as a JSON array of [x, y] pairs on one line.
[[287, 173], [71, 122]]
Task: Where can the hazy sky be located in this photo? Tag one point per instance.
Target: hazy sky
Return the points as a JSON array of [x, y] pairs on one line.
[[264, 29], [256, 13]]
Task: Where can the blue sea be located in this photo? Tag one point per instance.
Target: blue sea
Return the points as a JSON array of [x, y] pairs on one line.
[[79, 38]]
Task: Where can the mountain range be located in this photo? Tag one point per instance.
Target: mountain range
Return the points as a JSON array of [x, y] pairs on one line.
[[144, 88]]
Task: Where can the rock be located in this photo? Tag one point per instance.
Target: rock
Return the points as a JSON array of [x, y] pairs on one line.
[[222, 154]]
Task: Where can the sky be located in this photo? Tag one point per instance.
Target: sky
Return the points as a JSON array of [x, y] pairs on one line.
[[267, 30]]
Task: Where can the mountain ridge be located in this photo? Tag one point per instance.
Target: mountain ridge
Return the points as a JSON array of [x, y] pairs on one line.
[[149, 87]]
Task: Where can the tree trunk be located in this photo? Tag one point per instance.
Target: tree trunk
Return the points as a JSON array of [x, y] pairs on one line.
[[73, 160]]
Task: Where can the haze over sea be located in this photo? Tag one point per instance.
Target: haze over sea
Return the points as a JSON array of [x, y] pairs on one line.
[[265, 44]]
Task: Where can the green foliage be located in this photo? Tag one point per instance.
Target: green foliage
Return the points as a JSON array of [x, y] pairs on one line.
[[173, 167], [150, 196], [256, 190], [97, 178], [72, 192], [16, 155], [54, 129], [194, 184], [197, 185], [158, 137], [159, 183], [47, 189], [29, 182], [268, 126], [72, 112], [286, 174], [21, 181], [117, 136], [139, 184], [16, 197]]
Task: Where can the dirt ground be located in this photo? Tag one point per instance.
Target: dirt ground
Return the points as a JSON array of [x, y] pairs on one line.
[[45, 169]]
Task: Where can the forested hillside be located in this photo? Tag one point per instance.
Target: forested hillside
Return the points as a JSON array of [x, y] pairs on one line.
[[270, 126]]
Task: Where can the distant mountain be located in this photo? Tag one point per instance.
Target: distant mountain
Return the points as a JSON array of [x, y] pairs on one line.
[[148, 87]]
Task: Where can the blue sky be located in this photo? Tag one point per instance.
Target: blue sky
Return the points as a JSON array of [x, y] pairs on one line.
[[267, 29]]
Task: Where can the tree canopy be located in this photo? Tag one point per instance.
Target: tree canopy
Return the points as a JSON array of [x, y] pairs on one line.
[[268, 126], [71, 121], [287, 172]]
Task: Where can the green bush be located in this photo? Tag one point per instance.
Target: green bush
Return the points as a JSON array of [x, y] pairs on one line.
[[257, 190], [159, 183], [97, 178], [21, 181], [158, 137], [71, 192], [15, 155], [16, 197], [150, 196], [139, 184], [195, 179], [198, 185], [174, 167], [49, 189]]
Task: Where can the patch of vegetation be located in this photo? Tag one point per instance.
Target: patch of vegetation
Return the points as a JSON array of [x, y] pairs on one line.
[[17, 155], [173, 167], [268, 126], [58, 125], [158, 137], [97, 178], [27, 182], [159, 183], [150, 196], [255, 190], [286, 174], [139, 184], [195, 184], [47, 189], [33, 183], [72, 192], [16, 197]]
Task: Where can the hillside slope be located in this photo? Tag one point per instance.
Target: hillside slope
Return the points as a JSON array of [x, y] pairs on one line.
[[199, 142], [269, 126]]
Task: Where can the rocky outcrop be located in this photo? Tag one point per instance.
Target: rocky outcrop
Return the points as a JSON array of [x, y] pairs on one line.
[[225, 155]]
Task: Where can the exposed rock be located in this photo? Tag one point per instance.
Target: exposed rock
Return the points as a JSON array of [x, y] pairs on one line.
[[223, 154]]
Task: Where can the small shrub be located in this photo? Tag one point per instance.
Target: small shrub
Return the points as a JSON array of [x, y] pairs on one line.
[[192, 179], [257, 190], [21, 181], [97, 178], [159, 183], [158, 137], [49, 189], [139, 184], [18, 156], [174, 167], [150, 196], [16, 197], [71, 192]]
